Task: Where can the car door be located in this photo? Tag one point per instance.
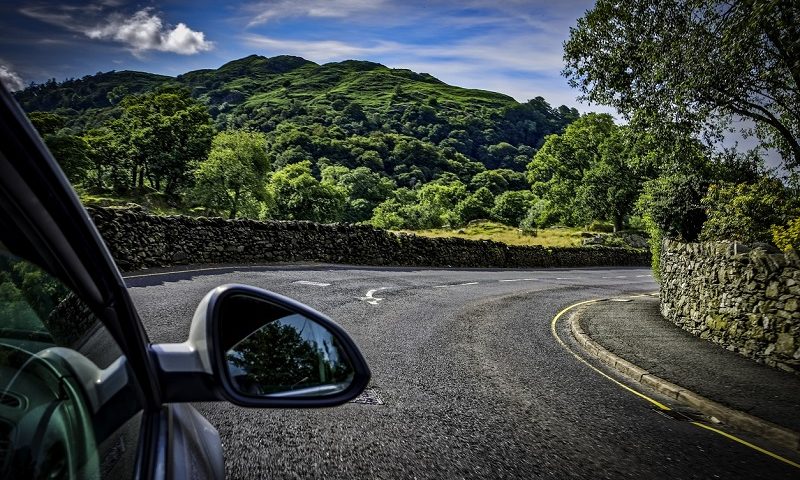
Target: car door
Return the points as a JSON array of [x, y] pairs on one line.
[[66, 316], [93, 398]]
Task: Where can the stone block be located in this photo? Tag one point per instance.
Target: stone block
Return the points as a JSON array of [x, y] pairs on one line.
[[785, 344]]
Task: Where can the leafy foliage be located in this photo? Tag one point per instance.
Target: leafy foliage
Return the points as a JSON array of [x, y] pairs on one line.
[[594, 170], [232, 178], [787, 237], [671, 204], [747, 211], [512, 206], [366, 130], [694, 63], [294, 194], [165, 133]]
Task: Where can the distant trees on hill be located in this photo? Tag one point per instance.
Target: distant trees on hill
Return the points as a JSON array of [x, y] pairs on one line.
[[295, 140]]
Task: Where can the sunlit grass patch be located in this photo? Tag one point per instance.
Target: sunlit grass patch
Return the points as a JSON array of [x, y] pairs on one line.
[[486, 230]]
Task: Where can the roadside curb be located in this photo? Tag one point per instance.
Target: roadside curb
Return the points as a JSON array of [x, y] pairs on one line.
[[775, 433]]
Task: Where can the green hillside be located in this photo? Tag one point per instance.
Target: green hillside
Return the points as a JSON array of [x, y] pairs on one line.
[[249, 86], [351, 141]]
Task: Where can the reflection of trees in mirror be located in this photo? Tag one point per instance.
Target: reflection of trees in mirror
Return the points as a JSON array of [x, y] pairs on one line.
[[279, 357]]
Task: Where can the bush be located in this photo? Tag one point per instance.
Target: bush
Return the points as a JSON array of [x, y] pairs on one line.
[[673, 205], [476, 206], [787, 237], [511, 207], [599, 226], [528, 224], [746, 212]]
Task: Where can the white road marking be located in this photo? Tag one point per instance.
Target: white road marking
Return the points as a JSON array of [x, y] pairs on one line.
[[369, 297], [455, 285], [183, 271], [307, 282], [642, 276], [519, 280], [620, 276]]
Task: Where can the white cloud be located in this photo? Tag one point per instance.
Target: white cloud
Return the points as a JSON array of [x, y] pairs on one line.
[[320, 50], [10, 78], [140, 32], [484, 52], [268, 10]]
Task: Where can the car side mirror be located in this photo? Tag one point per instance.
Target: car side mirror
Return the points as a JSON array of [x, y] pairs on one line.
[[262, 349]]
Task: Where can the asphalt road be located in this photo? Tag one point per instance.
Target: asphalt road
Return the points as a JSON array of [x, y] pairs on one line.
[[472, 381]]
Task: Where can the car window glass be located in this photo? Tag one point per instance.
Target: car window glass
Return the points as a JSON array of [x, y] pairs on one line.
[[68, 402]]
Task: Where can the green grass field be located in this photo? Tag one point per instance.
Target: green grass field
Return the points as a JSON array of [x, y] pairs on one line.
[[549, 237]]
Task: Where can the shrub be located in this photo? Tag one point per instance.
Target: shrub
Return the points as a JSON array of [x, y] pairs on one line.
[[746, 212], [599, 226], [511, 207], [673, 204], [787, 237], [528, 224]]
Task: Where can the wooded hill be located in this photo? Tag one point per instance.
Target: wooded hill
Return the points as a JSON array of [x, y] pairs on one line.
[[386, 131], [358, 96]]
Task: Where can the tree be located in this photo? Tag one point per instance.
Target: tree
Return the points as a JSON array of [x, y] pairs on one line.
[[512, 206], [558, 168], [294, 194], [611, 186], [72, 154], [167, 133], [365, 189], [476, 207], [233, 174], [275, 358], [694, 63], [109, 157], [499, 180], [431, 206], [747, 212], [47, 123]]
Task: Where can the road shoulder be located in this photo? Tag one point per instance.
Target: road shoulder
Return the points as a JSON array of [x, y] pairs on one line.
[[632, 338]]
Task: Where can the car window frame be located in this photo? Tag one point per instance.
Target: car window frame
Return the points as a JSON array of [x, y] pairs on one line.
[[66, 244]]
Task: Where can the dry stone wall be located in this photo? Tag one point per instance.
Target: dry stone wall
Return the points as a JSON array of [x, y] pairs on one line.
[[744, 298], [138, 240]]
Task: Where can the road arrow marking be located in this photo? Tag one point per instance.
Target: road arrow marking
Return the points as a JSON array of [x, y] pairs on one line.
[[369, 297]]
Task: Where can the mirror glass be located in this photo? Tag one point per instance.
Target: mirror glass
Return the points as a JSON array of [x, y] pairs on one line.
[[273, 351]]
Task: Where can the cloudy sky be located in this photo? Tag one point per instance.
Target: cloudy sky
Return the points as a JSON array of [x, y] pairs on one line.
[[509, 46]]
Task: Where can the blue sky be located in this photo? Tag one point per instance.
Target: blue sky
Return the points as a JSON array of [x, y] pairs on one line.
[[509, 46]]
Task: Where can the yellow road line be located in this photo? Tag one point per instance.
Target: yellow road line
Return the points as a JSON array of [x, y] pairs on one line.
[[580, 359], [655, 402], [746, 443]]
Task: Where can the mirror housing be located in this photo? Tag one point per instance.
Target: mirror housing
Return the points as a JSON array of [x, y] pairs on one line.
[[199, 369]]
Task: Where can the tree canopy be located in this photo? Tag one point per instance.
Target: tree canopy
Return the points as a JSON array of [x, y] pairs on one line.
[[233, 175], [693, 64]]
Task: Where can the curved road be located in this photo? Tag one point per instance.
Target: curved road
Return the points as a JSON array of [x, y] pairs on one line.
[[472, 381]]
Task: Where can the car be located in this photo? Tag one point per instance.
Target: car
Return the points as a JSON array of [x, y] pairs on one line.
[[83, 392]]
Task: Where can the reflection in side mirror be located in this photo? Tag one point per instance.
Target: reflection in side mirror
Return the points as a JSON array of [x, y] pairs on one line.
[[289, 356], [273, 351], [259, 349]]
